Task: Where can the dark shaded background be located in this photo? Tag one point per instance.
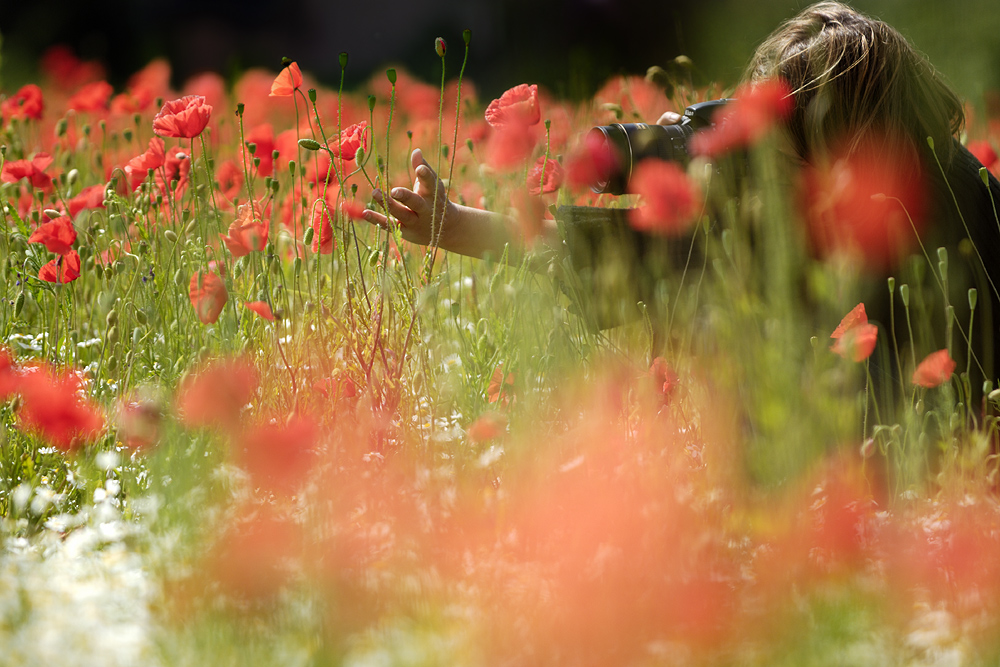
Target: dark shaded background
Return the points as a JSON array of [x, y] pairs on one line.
[[570, 46]]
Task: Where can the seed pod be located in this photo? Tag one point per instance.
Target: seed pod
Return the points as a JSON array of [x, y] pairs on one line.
[[170, 235], [140, 317], [19, 303], [113, 335], [112, 318]]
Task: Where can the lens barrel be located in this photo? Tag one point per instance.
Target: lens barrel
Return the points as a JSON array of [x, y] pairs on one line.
[[622, 146]]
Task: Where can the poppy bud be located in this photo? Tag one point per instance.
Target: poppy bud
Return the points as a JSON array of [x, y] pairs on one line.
[[312, 95], [239, 109], [892, 284], [973, 298], [19, 303], [140, 317], [930, 142], [170, 235], [467, 36], [868, 448], [371, 102], [113, 336], [72, 176], [61, 128], [343, 60], [984, 174], [994, 396], [291, 168], [359, 156], [440, 47], [904, 294], [252, 147], [51, 213], [391, 75], [308, 238], [309, 144], [127, 133]]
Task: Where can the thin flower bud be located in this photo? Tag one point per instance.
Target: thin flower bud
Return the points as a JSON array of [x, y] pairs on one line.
[[51, 213], [984, 174], [892, 284], [291, 167], [467, 36], [943, 255], [440, 47], [309, 144], [868, 448], [371, 102], [312, 95], [930, 142], [973, 298], [391, 75], [343, 59], [904, 293]]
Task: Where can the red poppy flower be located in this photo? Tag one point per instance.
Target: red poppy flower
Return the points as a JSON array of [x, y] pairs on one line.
[[757, 108], [509, 146], [247, 233], [322, 241], [89, 198], [487, 427], [670, 201], [229, 176], [183, 118], [934, 370], [553, 173], [55, 406], [63, 269], [856, 317], [857, 343], [665, 380], [217, 393], [138, 167], [33, 170], [351, 139], [91, 97], [208, 296], [501, 386], [278, 456], [261, 308], [25, 103], [984, 153], [353, 209], [287, 82], [10, 379], [591, 163], [66, 71], [517, 106], [58, 235], [866, 203]]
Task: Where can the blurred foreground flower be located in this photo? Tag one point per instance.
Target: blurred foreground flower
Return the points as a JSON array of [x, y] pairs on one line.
[[757, 108], [934, 370], [670, 201], [208, 296], [54, 405], [216, 394], [854, 338]]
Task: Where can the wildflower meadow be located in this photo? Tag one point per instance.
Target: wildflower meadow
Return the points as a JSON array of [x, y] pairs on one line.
[[243, 425]]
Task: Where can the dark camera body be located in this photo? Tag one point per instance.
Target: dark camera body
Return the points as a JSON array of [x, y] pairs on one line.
[[624, 146]]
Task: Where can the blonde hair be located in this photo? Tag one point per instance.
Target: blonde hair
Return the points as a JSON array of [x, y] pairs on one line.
[[856, 79]]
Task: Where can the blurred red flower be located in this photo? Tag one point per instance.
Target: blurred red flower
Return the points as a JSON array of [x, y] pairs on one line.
[[861, 202], [92, 96], [353, 209], [58, 235], [553, 173], [984, 153], [33, 170], [934, 370], [665, 380], [278, 455], [183, 118], [229, 176], [855, 338], [255, 555], [63, 269], [66, 71], [208, 296], [138, 167], [262, 136], [217, 393], [670, 201], [287, 82], [757, 108], [591, 163], [89, 198], [176, 167], [488, 427], [9, 377], [509, 145], [501, 386], [517, 106], [248, 232], [261, 308], [55, 406], [25, 103]]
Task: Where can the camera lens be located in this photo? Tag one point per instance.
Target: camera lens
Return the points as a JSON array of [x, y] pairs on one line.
[[617, 149]]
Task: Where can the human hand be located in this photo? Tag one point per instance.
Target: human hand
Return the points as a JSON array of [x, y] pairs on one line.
[[669, 118], [414, 209]]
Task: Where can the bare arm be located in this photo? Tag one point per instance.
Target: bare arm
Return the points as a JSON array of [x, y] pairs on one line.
[[462, 229]]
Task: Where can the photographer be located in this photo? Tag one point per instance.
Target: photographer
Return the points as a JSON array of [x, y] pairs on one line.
[[861, 92]]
